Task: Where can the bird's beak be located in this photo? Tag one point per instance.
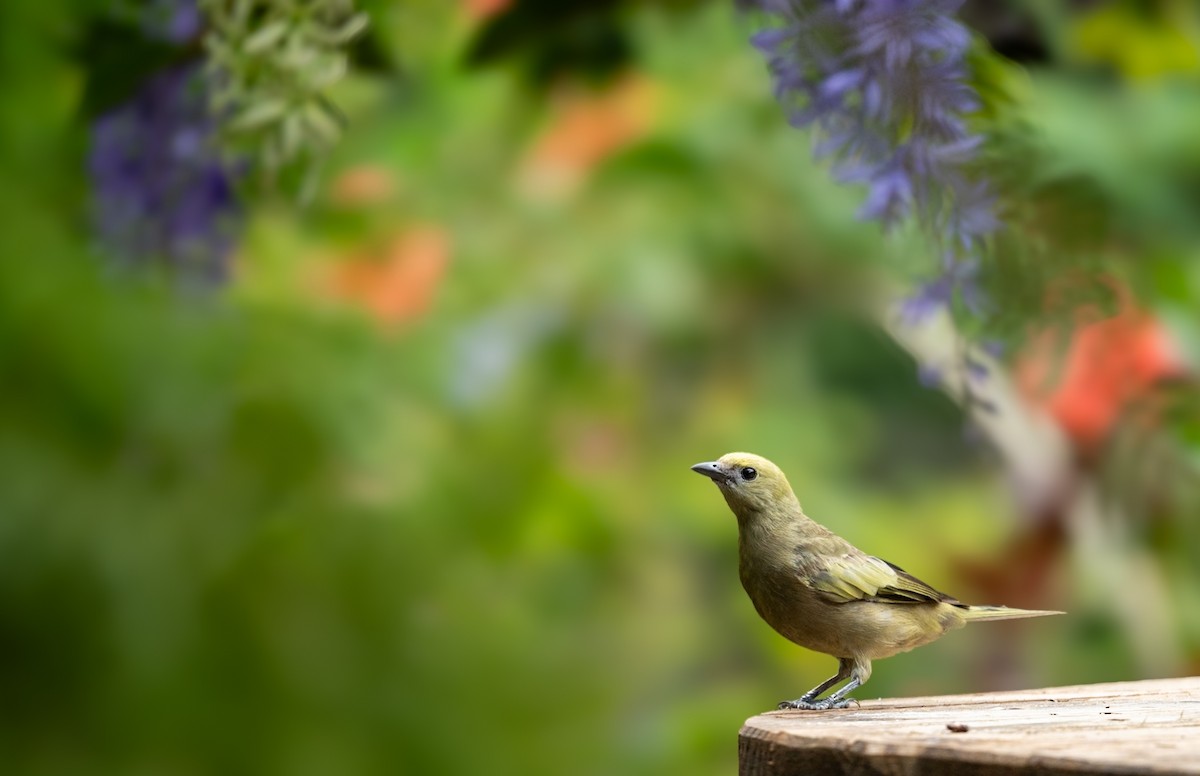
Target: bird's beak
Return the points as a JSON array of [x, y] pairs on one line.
[[712, 470]]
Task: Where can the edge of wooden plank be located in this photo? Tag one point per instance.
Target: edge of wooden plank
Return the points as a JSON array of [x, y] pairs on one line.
[[776, 742]]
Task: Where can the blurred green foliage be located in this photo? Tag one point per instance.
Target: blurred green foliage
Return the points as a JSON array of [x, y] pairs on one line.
[[271, 64], [262, 532]]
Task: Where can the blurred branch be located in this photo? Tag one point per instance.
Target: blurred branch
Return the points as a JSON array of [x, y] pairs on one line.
[[1053, 482], [1035, 451]]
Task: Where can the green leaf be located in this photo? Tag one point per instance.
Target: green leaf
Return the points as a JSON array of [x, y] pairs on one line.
[[291, 135], [321, 124], [259, 114], [331, 70], [350, 29], [265, 38]]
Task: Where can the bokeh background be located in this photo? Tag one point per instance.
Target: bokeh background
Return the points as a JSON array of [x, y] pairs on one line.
[[372, 456]]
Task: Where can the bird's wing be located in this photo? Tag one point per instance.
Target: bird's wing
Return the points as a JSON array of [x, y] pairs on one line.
[[858, 577]]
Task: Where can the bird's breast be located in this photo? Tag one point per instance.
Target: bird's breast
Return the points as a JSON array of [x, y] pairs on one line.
[[787, 604]]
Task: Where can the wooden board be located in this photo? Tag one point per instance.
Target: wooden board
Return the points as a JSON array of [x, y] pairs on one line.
[[1122, 728]]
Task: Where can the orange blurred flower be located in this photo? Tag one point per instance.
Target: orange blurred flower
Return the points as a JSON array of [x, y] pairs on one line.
[[366, 184], [584, 129], [1106, 364], [395, 284], [479, 10]]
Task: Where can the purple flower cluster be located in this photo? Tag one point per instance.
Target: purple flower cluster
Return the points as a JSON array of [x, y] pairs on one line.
[[883, 84], [161, 190]]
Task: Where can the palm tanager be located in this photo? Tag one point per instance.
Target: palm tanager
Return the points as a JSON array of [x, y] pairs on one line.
[[821, 592]]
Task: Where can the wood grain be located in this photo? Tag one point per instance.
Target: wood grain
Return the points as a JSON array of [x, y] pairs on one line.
[[1150, 727]]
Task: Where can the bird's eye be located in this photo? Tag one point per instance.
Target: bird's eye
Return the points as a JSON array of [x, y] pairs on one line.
[[749, 473]]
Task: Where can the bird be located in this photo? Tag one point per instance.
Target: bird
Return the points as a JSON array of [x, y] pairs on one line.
[[823, 593]]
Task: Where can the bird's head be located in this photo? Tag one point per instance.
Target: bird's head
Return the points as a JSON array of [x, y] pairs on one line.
[[751, 484]]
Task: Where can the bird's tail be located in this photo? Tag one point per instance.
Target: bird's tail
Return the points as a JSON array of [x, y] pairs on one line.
[[1003, 613]]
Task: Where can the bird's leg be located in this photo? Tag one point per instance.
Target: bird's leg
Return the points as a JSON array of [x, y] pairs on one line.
[[809, 699], [858, 671], [838, 700]]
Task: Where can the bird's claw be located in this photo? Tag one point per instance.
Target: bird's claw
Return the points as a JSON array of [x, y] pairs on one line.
[[804, 704]]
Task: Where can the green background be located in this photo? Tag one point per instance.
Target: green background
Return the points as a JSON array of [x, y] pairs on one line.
[[261, 531]]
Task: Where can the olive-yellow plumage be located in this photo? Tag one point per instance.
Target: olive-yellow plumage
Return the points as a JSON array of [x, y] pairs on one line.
[[823, 593]]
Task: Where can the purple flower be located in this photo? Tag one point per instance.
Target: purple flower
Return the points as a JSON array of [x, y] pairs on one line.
[[174, 21], [161, 191], [889, 195], [958, 276], [883, 85], [976, 369], [929, 298], [928, 375]]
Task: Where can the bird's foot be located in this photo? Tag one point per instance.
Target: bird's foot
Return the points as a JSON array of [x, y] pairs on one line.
[[806, 704]]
